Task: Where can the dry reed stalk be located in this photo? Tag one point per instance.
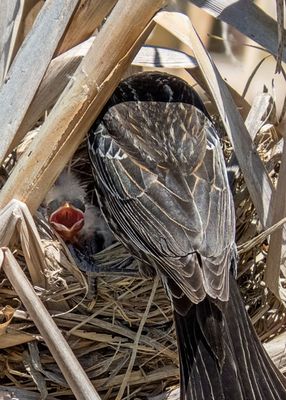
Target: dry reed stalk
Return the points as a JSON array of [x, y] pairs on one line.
[[17, 222], [249, 20], [277, 247], [86, 19], [14, 393], [13, 338], [24, 18], [8, 14], [29, 67], [242, 105], [280, 34], [54, 82]]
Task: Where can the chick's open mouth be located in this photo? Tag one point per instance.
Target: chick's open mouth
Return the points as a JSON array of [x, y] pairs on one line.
[[67, 219]]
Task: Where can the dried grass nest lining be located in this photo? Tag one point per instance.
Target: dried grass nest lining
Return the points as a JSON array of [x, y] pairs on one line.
[[101, 332]]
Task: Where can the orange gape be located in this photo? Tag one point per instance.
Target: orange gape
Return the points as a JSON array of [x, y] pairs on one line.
[[67, 221]]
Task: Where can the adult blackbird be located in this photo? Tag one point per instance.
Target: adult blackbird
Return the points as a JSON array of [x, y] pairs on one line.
[[161, 183]]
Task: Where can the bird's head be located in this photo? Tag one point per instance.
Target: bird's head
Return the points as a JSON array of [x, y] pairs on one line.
[[66, 207], [67, 219]]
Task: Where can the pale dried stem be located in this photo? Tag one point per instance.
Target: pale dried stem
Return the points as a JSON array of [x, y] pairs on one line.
[[86, 19], [17, 222], [29, 67], [250, 20], [277, 247], [8, 14]]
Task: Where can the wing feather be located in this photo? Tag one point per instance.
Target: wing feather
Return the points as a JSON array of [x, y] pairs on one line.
[[168, 192]]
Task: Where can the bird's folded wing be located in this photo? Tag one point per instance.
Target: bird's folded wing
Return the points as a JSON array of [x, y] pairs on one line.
[[168, 191]]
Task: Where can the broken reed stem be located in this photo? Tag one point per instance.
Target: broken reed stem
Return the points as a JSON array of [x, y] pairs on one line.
[[59, 348]]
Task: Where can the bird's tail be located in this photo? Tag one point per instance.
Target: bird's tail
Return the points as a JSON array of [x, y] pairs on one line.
[[221, 356]]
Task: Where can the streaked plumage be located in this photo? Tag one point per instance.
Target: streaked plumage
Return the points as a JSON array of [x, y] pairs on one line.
[[161, 182]]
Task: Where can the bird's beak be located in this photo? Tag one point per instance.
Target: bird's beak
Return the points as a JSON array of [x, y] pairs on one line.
[[67, 220]]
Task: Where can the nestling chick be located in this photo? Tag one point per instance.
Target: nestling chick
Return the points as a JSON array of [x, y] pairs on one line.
[[72, 216]]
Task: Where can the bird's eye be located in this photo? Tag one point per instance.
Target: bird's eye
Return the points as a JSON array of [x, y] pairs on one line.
[[53, 206], [77, 203]]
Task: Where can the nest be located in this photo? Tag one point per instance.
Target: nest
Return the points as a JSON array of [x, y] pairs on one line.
[[121, 328]]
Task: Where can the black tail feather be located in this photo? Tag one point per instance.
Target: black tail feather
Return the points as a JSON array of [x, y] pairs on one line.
[[235, 368]]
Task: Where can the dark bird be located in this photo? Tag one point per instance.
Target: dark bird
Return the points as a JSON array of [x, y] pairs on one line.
[[161, 183]]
